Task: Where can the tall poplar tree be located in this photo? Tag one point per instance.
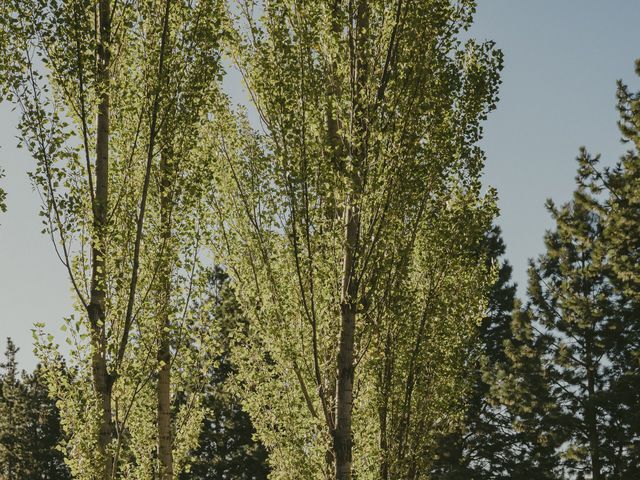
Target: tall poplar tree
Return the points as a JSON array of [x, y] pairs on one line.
[[113, 96], [351, 227]]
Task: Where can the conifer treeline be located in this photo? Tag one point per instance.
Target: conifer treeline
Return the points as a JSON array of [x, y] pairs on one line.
[[557, 384]]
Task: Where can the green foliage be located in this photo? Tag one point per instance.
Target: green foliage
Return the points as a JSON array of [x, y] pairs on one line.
[[568, 385], [226, 446], [3, 196], [107, 220], [573, 304], [362, 197], [29, 425], [478, 449]]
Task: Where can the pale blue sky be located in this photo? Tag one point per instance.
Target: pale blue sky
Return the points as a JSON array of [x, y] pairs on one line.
[[562, 58]]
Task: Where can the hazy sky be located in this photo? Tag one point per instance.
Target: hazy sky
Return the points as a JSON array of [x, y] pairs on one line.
[[562, 58]]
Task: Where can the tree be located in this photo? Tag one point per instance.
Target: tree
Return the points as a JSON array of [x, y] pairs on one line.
[[507, 431], [571, 299], [226, 446], [30, 427], [486, 437], [359, 206], [621, 237], [111, 117], [13, 454], [578, 325]]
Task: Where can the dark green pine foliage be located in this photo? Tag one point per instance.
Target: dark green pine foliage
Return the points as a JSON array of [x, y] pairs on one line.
[[622, 236], [521, 389], [13, 418], [504, 435], [476, 451], [227, 448], [29, 425], [580, 325]]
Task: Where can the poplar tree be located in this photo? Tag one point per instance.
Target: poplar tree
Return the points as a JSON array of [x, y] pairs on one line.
[[112, 98], [351, 227]]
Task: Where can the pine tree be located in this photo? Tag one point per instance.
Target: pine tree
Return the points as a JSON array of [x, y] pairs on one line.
[[576, 315], [13, 418], [475, 449], [46, 461], [226, 446], [29, 425], [501, 438], [622, 237]]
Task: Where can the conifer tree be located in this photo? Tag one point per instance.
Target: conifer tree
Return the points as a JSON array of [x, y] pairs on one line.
[[502, 436], [478, 450], [521, 392], [227, 447], [622, 236], [13, 418], [30, 430], [578, 321]]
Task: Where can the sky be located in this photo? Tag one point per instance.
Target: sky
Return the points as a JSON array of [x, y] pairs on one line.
[[562, 60]]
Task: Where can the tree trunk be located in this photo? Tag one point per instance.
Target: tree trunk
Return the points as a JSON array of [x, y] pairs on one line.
[[592, 424], [350, 288], [165, 440], [344, 384], [96, 308]]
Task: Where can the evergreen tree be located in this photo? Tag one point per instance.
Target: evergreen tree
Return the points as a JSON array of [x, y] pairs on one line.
[[521, 390], [622, 237], [476, 448], [227, 448], [580, 327], [29, 425], [44, 430], [13, 418], [501, 438]]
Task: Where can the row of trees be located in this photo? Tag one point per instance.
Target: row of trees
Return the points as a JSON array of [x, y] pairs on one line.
[[555, 381], [355, 203], [533, 410], [31, 433], [351, 223]]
